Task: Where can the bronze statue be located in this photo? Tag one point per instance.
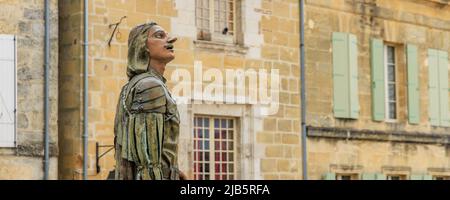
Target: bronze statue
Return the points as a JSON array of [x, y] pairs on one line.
[[147, 121]]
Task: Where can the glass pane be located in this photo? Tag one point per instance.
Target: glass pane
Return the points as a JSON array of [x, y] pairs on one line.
[[195, 167], [392, 111], [216, 4], [216, 27], [206, 144], [224, 177], [207, 168], [217, 177], [206, 133], [391, 73], [391, 92], [231, 168], [206, 122], [230, 156], [199, 131], [206, 156], [224, 134], [217, 145], [230, 123], [200, 144], [217, 168], [391, 54], [223, 5], [216, 134], [207, 177], [195, 156], [216, 15], [205, 13], [200, 177], [205, 24], [231, 177], [230, 134], [217, 156], [224, 145], [224, 156], [199, 121], [216, 123], [201, 167], [224, 123], [230, 146]]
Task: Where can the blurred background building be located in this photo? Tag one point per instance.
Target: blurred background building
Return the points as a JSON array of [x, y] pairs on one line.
[[376, 87]]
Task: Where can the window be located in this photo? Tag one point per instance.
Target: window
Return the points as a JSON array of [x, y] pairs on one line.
[[390, 83], [345, 76], [214, 148], [346, 177], [441, 178], [395, 177], [7, 91], [216, 20], [438, 87]]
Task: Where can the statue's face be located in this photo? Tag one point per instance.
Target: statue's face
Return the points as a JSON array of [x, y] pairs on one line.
[[160, 44]]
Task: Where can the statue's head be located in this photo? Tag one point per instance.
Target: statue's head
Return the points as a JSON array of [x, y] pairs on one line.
[[147, 42]]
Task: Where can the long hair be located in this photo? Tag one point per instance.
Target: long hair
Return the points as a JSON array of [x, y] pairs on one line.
[[138, 54]]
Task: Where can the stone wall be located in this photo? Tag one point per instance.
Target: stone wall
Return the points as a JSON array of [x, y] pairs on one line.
[[270, 41], [25, 20], [424, 24]]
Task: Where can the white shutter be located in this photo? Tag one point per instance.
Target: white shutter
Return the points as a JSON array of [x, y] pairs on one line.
[[7, 91]]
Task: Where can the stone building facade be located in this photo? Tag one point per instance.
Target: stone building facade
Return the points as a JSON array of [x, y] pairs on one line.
[[22, 102], [393, 130], [265, 36], [358, 54]]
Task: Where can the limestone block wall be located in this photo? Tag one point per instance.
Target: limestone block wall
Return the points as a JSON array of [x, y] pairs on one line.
[[25, 20]]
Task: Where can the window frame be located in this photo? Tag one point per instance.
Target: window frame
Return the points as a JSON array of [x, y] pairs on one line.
[[353, 176], [212, 149], [386, 64], [400, 176], [13, 144], [211, 34]]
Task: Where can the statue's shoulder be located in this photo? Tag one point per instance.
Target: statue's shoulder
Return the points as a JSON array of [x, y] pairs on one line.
[[148, 82]]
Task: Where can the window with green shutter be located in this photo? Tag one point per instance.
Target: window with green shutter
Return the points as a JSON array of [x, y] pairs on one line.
[[413, 84], [378, 84], [438, 87], [345, 76], [329, 176]]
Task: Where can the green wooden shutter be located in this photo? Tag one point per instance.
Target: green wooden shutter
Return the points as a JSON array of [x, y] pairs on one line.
[[443, 87], [380, 176], [416, 177], [340, 75], [353, 69], [427, 177], [378, 86], [413, 84], [433, 86], [345, 76], [329, 176], [368, 176]]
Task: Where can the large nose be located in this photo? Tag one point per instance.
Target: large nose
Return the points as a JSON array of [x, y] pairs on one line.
[[172, 40]]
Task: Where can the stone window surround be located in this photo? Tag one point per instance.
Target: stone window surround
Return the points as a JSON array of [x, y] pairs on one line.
[[237, 47], [245, 118]]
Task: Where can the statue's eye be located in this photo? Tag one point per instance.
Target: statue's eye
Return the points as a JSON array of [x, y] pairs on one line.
[[159, 35]]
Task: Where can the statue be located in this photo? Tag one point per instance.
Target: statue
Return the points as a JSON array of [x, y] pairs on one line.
[[146, 127]]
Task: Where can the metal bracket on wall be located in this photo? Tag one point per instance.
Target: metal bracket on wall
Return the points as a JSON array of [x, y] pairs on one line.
[[97, 156], [116, 25]]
